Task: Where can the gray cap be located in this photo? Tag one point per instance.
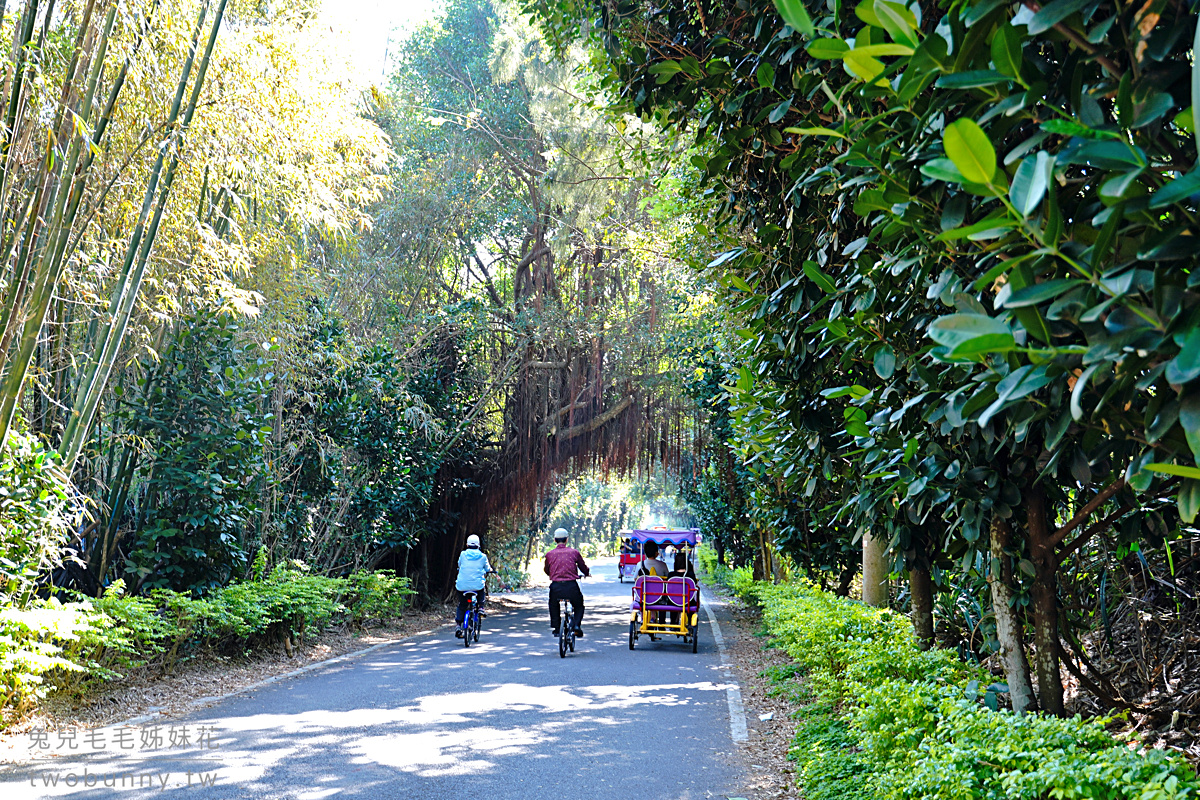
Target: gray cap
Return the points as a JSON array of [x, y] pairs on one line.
[[560, 535]]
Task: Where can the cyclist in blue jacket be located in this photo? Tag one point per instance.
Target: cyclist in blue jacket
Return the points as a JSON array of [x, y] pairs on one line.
[[473, 568]]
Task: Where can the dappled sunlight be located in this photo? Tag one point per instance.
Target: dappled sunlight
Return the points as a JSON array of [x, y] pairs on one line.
[[439, 753]]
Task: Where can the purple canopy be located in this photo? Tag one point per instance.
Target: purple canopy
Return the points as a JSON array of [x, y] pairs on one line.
[[688, 536]]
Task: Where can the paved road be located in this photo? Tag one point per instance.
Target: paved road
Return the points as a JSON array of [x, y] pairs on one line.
[[429, 719]]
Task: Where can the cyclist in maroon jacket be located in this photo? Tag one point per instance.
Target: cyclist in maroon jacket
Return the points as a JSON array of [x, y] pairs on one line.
[[563, 565]]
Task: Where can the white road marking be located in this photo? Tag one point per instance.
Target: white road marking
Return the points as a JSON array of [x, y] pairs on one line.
[[733, 692]]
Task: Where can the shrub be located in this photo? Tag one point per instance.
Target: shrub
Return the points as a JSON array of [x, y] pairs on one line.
[[31, 647], [376, 595], [889, 720], [38, 512], [75, 646], [707, 558]]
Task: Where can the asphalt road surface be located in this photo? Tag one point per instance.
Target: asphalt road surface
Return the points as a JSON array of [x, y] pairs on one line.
[[429, 719]]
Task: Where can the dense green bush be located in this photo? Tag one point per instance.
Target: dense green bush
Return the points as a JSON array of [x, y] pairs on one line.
[[889, 720], [38, 511], [205, 413], [74, 647]]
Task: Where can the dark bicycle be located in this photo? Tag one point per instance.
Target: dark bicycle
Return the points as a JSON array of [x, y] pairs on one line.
[[566, 631], [471, 620]]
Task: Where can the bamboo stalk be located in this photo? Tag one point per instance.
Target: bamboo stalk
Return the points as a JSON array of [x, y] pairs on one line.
[[141, 243]]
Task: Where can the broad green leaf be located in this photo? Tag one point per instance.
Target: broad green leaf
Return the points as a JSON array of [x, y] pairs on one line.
[[898, 21], [814, 273], [994, 223], [1196, 87], [855, 391], [969, 148], [1067, 127], [1174, 469], [968, 335], [865, 11], [1177, 190], [1006, 50], [942, 169], [1030, 182], [765, 75], [1185, 366], [665, 68], [815, 132], [1107, 154], [1189, 420], [1189, 500], [885, 362], [1053, 13], [795, 14], [1040, 292], [739, 282], [882, 50], [1077, 392], [972, 79], [779, 111], [1118, 187], [864, 67], [827, 48], [1013, 387]]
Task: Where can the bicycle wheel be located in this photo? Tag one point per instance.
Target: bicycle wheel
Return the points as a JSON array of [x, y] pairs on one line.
[[477, 626], [563, 631], [467, 627]]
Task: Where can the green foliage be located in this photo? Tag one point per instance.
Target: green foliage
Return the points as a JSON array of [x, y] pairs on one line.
[[889, 720], [205, 413], [376, 595], [74, 647], [32, 644], [365, 438], [39, 510], [958, 250], [596, 510]]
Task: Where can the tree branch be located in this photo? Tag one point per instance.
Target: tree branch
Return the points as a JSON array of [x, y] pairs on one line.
[[1081, 516], [595, 422]]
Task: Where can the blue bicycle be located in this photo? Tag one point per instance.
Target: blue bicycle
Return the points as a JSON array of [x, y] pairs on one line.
[[472, 619]]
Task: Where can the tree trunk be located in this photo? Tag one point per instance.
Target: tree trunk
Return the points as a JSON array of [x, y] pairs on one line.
[[1008, 627], [920, 585], [875, 571], [845, 580], [1044, 594]]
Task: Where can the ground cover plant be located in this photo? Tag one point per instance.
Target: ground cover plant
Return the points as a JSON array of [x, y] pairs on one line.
[[74, 647], [880, 717]]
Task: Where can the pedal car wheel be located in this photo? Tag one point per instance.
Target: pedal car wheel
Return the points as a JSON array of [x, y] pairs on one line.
[[632, 633], [695, 638]]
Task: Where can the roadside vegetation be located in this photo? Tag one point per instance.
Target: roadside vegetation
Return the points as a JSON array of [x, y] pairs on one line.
[[899, 300], [878, 716]]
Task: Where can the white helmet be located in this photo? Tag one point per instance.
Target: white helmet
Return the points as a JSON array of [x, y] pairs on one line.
[[560, 535], [473, 541]]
